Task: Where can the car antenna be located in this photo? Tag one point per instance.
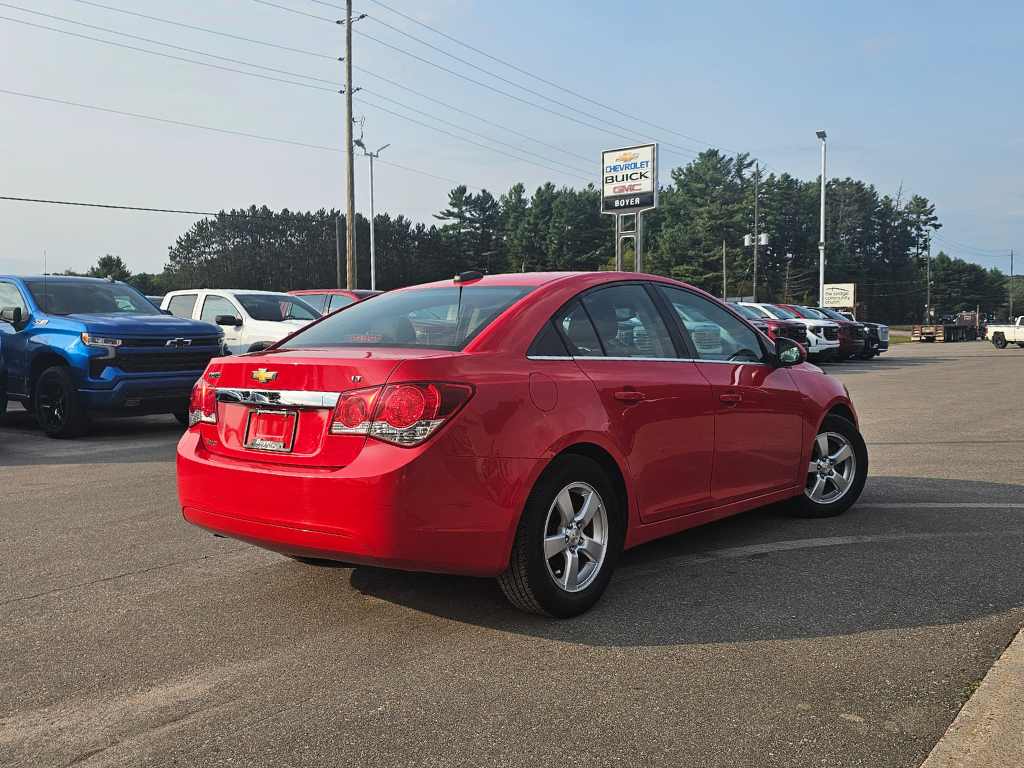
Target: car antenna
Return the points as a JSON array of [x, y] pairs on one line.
[[461, 279]]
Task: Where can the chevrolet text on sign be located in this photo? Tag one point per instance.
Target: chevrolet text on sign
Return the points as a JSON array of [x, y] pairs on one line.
[[629, 179]]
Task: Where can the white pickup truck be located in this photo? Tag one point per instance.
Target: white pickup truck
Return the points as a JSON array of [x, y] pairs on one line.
[[1001, 335]]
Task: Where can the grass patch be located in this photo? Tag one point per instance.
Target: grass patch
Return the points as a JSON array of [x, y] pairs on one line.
[[900, 340], [967, 692]]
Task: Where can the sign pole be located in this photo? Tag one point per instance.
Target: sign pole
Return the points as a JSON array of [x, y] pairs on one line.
[[638, 243]]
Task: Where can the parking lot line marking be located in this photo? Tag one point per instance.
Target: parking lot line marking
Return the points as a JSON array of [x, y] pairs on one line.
[[942, 505], [629, 571]]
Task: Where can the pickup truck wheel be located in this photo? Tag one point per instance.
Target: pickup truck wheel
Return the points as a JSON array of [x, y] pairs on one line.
[[999, 341], [837, 470], [1020, 344], [3, 399], [58, 411]]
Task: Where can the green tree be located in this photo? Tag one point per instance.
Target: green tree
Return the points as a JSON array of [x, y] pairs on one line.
[[110, 266]]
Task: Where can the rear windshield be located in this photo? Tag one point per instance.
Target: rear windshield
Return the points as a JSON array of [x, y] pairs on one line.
[[434, 318], [275, 307], [68, 297], [782, 313]]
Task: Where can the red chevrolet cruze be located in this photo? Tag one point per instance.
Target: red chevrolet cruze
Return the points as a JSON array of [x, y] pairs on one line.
[[526, 427]]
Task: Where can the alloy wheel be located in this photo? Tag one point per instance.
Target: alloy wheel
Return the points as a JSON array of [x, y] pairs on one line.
[[832, 469], [575, 537], [53, 403]]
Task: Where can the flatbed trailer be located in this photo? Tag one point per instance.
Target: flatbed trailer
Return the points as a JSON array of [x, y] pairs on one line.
[[938, 332]]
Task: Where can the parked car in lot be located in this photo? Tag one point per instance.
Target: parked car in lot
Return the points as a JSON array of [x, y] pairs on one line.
[[822, 335], [773, 328], [532, 443], [330, 299], [876, 335], [851, 334], [3, 383], [251, 320], [1003, 335], [78, 347]]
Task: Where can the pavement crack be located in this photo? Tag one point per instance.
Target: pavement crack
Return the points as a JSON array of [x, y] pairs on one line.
[[102, 580]]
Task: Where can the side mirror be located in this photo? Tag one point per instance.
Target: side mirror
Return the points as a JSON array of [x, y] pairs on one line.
[[11, 315], [788, 352], [231, 320]]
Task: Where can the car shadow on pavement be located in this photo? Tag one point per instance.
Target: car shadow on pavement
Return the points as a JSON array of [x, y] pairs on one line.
[[766, 575]]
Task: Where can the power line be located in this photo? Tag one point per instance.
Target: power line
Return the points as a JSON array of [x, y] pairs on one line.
[[487, 72], [220, 130], [535, 77], [446, 133], [157, 42], [209, 31], [150, 210], [308, 53], [253, 74], [459, 127], [682, 151], [943, 238], [168, 55]]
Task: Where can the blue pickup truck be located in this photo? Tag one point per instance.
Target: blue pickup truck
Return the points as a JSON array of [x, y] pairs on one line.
[[78, 347]]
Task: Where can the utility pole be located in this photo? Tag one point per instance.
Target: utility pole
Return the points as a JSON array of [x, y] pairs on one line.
[[350, 177], [928, 256], [725, 283], [757, 179], [821, 239], [1011, 286]]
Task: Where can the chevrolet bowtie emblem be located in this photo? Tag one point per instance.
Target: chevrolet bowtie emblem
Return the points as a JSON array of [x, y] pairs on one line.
[[627, 157], [262, 375]]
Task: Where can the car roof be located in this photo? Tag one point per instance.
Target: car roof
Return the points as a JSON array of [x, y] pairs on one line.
[[232, 291], [63, 279]]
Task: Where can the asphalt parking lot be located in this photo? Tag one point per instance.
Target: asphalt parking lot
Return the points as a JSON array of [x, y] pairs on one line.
[[130, 637]]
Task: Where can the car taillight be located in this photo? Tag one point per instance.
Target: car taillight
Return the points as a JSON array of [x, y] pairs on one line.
[[403, 414], [202, 404]]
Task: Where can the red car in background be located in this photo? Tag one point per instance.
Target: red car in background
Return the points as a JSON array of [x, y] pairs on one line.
[[773, 328], [851, 334], [547, 422], [327, 300]]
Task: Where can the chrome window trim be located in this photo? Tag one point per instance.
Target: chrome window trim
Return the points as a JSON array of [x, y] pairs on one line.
[[281, 397], [654, 360], [548, 357]]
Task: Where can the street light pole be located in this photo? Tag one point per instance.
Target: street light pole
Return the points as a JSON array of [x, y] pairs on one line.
[[373, 246], [821, 239], [757, 178], [928, 256]]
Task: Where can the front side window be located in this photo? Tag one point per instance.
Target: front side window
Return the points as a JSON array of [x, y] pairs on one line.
[[627, 322], [217, 305], [717, 334], [73, 297], [275, 307], [576, 325], [10, 297], [182, 306], [435, 318]]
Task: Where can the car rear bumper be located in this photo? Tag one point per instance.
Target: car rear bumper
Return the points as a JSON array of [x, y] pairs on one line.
[[414, 509]]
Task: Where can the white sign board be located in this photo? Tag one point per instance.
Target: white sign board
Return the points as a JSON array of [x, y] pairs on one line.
[[629, 179], [841, 295]]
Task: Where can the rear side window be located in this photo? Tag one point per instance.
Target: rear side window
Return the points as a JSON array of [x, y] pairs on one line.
[[339, 300], [217, 305], [435, 318], [182, 306], [315, 300], [548, 343], [627, 322], [579, 331]]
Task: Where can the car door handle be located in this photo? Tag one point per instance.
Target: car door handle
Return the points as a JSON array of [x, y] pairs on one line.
[[629, 396], [730, 397]]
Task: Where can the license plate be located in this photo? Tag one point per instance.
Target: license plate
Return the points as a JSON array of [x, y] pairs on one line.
[[271, 430]]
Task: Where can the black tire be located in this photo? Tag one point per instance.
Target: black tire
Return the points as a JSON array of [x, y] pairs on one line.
[[530, 582], [3, 395], [58, 411], [836, 429], [1020, 344], [999, 341], [258, 346], [182, 417]]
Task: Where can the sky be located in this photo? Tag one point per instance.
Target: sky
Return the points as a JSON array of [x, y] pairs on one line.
[[917, 96]]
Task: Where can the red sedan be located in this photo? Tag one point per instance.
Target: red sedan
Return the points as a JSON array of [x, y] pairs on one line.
[[546, 422]]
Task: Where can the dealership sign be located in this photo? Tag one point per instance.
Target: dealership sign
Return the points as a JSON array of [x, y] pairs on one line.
[[842, 295], [629, 179]]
